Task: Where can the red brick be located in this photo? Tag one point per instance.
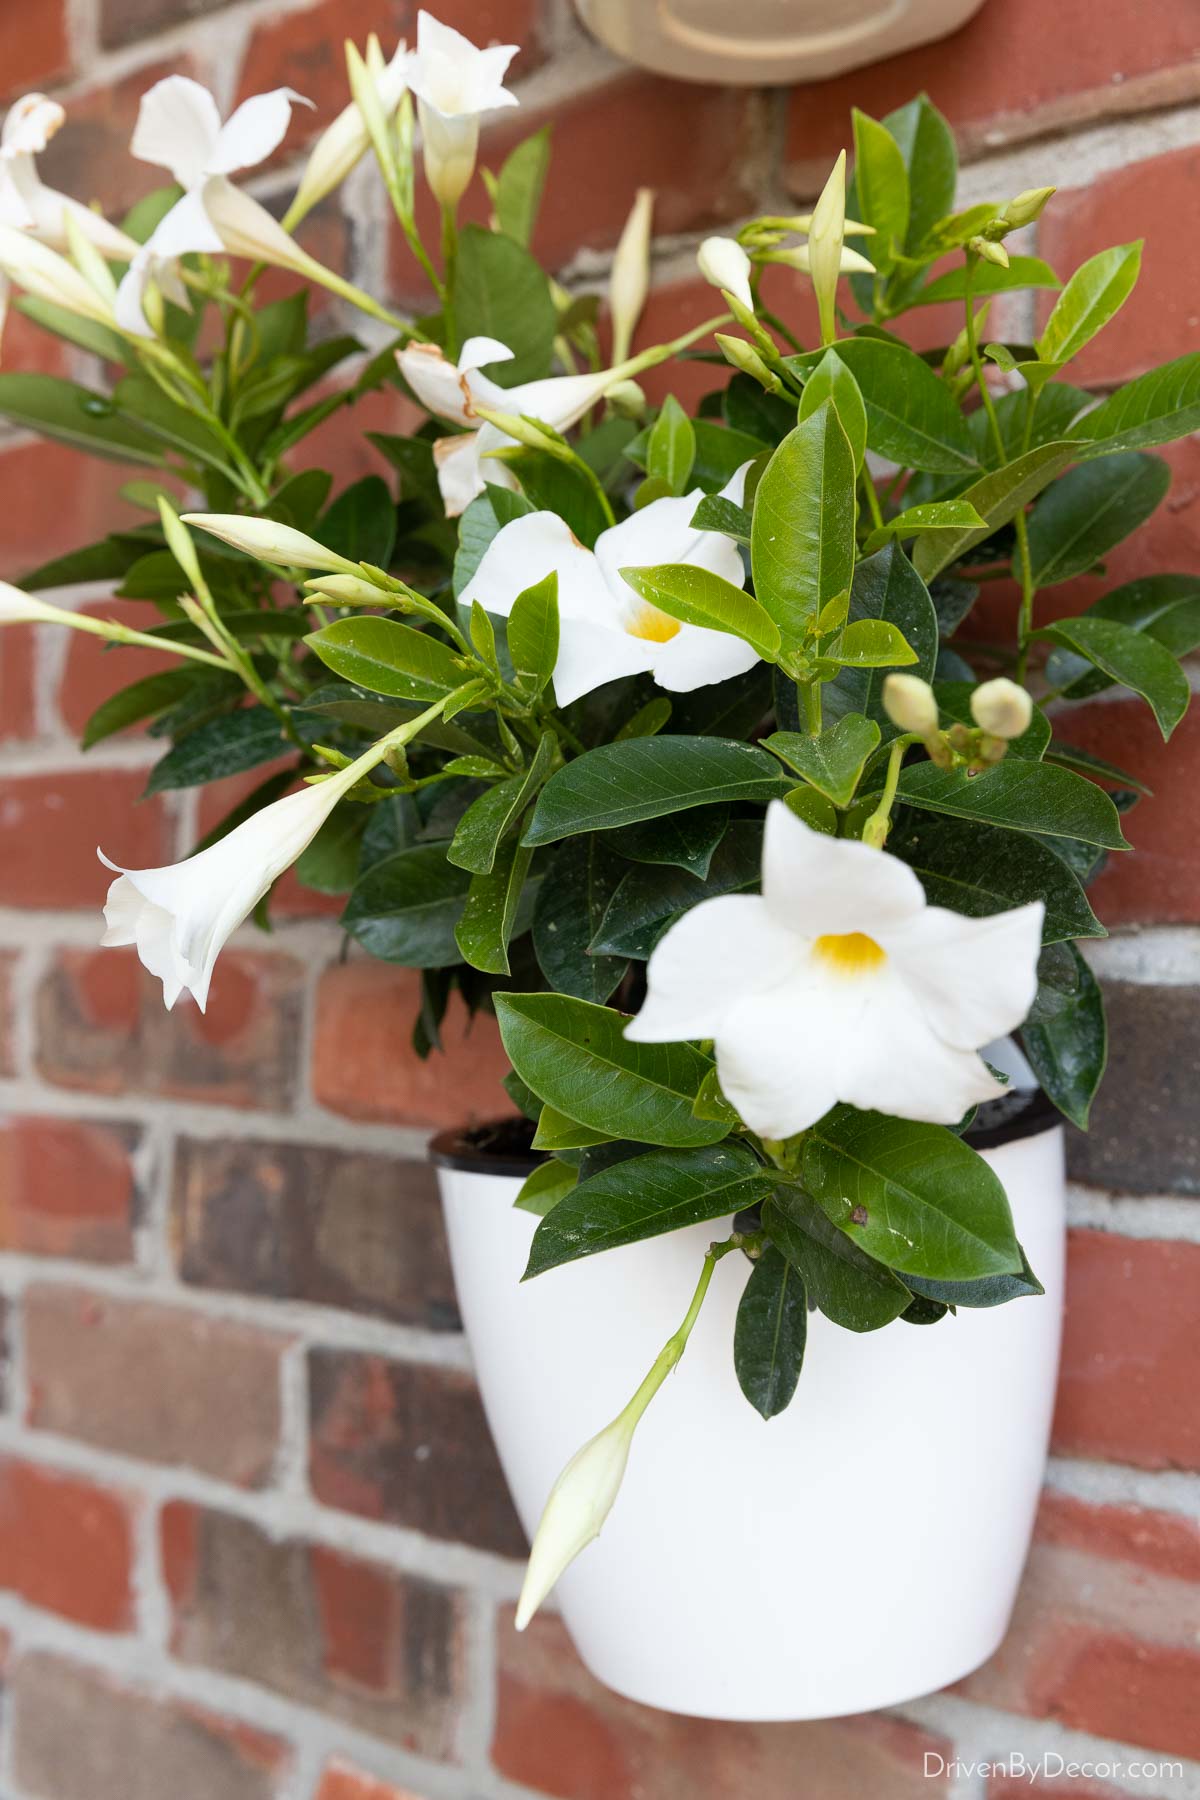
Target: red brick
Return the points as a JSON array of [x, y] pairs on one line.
[[1159, 883], [289, 898], [559, 1731], [1013, 71], [364, 1064], [1146, 200], [298, 1222], [17, 649], [408, 1443], [33, 46], [378, 1649], [50, 826], [155, 1381], [632, 128], [66, 1545], [340, 443], [1103, 1636], [123, 21], [102, 1027], [304, 51], [1056, 1786], [37, 526], [67, 1188], [78, 1736], [90, 158], [95, 670], [1131, 1357], [341, 1782], [8, 963]]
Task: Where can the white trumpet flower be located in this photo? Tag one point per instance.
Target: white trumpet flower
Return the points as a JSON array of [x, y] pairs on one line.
[[454, 82], [40, 270], [27, 203], [179, 128], [725, 264], [576, 1508], [606, 630], [453, 390], [840, 983]]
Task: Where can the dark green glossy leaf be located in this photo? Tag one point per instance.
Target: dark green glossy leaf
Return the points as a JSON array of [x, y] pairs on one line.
[[802, 536], [225, 746], [1160, 406], [830, 379], [490, 916], [979, 870], [769, 1333], [516, 192], [643, 778], [996, 497], [927, 146], [850, 1288], [886, 587], [1164, 607], [76, 416], [547, 1185], [913, 1196], [153, 694], [686, 840], [579, 883], [329, 862], [1065, 1036], [501, 292], [833, 761], [989, 278], [671, 446], [989, 1290], [649, 898], [361, 523], [497, 811], [659, 1192], [1090, 510], [406, 906], [1020, 795], [1132, 658], [912, 418], [881, 188], [578, 1059]]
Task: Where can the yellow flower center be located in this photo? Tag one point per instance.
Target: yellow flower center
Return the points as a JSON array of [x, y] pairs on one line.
[[850, 952], [648, 622]]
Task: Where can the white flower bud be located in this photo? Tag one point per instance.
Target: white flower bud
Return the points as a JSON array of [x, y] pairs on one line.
[[629, 280], [580, 1501], [1001, 708], [343, 143], [271, 542], [42, 271], [17, 608], [247, 229], [909, 703], [725, 264], [825, 242]]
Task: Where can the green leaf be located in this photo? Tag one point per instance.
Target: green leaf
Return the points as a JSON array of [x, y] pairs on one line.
[[501, 292], [1130, 657], [833, 761], [927, 146], [671, 447], [935, 515], [649, 898], [849, 1286], [574, 894], [643, 778], [1158, 407], [545, 1187], [987, 1291], [516, 192], [140, 701], [578, 1059], [914, 1197], [1065, 1036], [803, 531], [1098, 767], [225, 746], [533, 632], [720, 453], [643, 1198], [769, 1334], [556, 1132], [881, 184], [996, 497], [479, 524], [1094, 293], [489, 917], [551, 484], [76, 416], [715, 513], [686, 840], [88, 334], [979, 870], [988, 278], [912, 418], [699, 597], [1090, 510], [1021, 795], [832, 380], [361, 523], [497, 811], [888, 588], [389, 658], [406, 906], [329, 862], [1164, 607], [872, 644]]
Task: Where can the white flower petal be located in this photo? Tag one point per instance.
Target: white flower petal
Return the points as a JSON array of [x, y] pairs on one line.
[[663, 533], [891, 1060], [477, 352], [454, 76], [457, 462], [709, 962], [818, 884], [590, 655], [29, 124], [186, 228], [523, 552], [725, 264], [557, 400], [258, 126], [735, 487], [15, 210], [773, 1060], [128, 305], [435, 380], [178, 125], [973, 979], [696, 657]]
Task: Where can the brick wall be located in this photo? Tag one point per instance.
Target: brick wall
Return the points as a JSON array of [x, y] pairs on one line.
[[254, 1544]]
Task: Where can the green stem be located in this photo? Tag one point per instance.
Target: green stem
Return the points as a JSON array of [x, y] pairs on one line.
[[812, 707], [876, 829], [1024, 562], [125, 634], [873, 507], [449, 277], [676, 1344]]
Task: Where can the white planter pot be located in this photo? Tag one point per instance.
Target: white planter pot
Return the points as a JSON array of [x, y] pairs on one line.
[[862, 1548]]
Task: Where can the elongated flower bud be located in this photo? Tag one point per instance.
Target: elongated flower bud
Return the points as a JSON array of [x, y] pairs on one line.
[[247, 229], [42, 271], [725, 264], [350, 590], [17, 608], [1026, 206], [1001, 708], [629, 281], [825, 241], [342, 144], [580, 1501], [745, 357], [271, 542], [910, 703]]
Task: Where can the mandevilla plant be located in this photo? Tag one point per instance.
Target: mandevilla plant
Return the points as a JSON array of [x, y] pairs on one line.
[[650, 733]]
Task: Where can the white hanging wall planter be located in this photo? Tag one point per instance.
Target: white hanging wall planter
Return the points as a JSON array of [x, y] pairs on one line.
[[767, 42]]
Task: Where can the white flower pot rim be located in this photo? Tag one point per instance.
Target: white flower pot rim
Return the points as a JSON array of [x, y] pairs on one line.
[[1020, 1114]]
